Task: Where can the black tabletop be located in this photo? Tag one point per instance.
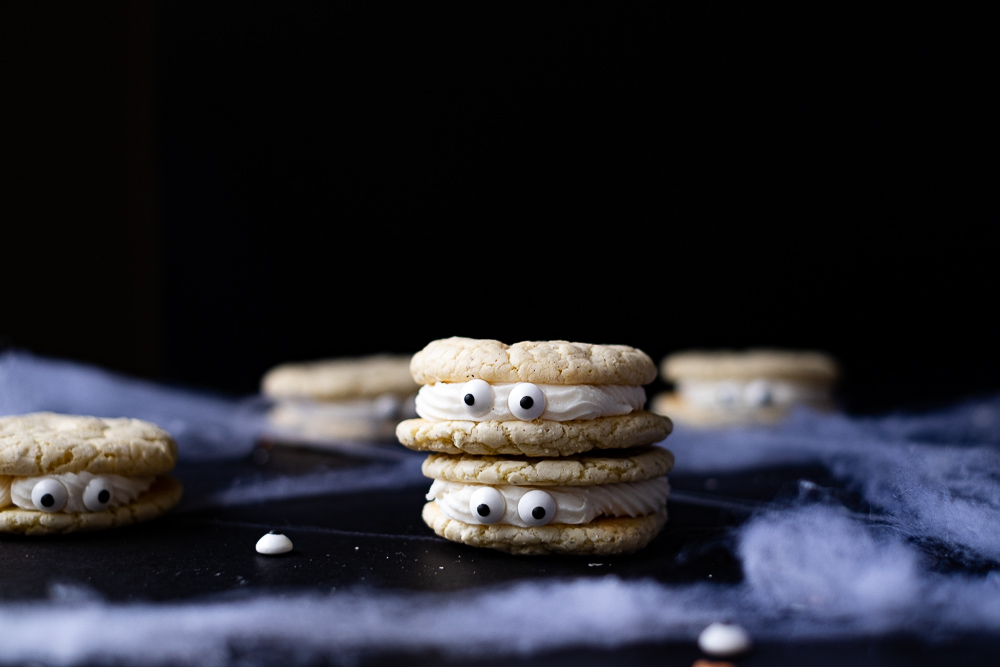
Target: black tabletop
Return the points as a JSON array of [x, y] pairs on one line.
[[353, 515]]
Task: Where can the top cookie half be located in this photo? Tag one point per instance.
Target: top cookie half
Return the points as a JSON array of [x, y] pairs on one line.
[[795, 365], [43, 443], [341, 379], [541, 362]]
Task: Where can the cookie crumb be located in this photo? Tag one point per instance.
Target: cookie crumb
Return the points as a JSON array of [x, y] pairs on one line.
[[273, 543]]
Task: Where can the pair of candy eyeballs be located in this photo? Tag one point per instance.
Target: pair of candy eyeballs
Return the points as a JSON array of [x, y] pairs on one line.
[[536, 507], [526, 401], [51, 495]]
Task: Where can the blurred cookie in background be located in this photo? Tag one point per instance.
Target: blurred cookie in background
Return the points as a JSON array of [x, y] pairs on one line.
[[340, 400], [733, 388]]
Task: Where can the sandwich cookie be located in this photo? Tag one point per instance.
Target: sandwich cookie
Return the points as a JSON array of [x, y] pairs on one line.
[[534, 398], [67, 473], [346, 399], [732, 388], [595, 504]]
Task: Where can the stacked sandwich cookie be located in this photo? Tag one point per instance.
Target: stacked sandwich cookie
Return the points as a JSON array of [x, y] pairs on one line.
[[540, 447], [66, 473]]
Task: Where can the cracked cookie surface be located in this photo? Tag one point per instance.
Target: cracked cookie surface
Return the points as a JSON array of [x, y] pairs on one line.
[[534, 438], [603, 536], [43, 443], [459, 359], [46, 445], [633, 465]]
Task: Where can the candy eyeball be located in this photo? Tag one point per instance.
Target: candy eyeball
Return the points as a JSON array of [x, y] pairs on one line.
[[536, 508], [758, 394], [526, 401], [49, 495], [477, 397], [487, 505], [728, 395], [98, 494]]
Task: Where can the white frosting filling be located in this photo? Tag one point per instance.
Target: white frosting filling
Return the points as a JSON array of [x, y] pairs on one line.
[[574, 505], [122, 490], [444, 401], [355, 419], [750, 395], [384, 408]]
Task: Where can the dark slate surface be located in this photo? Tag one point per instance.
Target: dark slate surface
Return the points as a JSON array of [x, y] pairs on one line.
[[375, 539]]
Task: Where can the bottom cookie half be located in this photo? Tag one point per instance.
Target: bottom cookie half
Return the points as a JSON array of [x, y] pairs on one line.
[[164, 494], [602, 536], [683, 413]]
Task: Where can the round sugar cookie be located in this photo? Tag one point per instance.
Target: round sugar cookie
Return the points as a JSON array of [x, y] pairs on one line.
[[796, 365], [459, 359], [534, 438], [601, 537], [608, 467], [44, 443], [341, 379], [59, 450]]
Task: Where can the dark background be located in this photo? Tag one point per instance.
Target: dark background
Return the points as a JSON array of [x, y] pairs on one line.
[[194, 192]]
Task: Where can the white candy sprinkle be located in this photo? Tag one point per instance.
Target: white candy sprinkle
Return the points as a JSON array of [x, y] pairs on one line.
[[724, 639], [273, 543]]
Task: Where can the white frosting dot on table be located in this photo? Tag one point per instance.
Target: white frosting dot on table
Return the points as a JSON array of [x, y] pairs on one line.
[[724, 639], [274, 543]]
